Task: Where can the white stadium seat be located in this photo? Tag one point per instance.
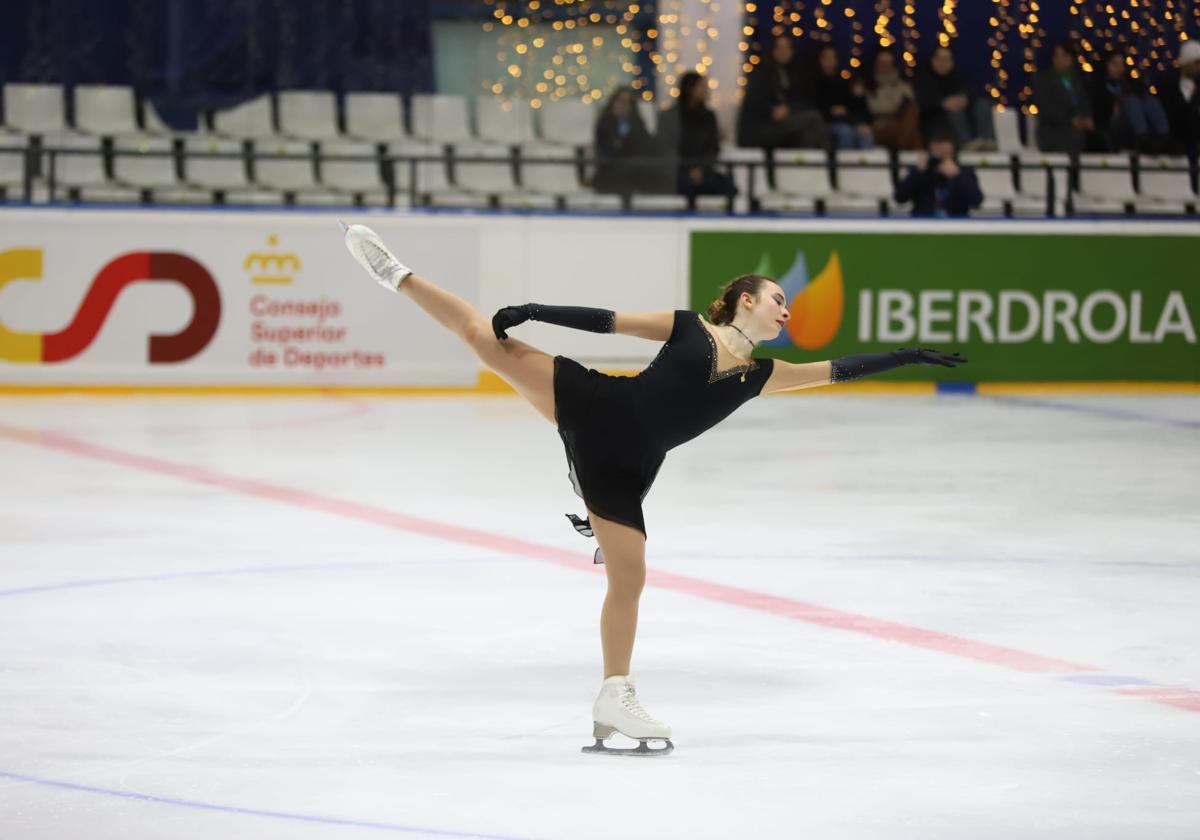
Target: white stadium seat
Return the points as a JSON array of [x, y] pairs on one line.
[[1105, 184], [568, 122], [801, 182], [375, 117], [357, 178], [308, 114], [1037, 171], [35, 109], [109, 110], [550, 176], [504, 121], [1165, 185], [250, 120], [440, 118], [864, 181]]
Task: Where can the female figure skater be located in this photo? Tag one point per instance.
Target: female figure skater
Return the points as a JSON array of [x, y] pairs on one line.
[[617, 430]]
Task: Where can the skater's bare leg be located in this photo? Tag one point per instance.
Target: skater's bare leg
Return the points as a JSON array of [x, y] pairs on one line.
[[624, 550], [527, 369]]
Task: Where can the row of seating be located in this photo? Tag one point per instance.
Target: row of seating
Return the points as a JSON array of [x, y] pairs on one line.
[[214, 170], [112, 111], [1029, 183]]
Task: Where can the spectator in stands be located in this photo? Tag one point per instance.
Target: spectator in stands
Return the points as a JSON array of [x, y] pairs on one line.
[[689, 132], [1181, 100], [947, 106], [778, 110], [892, 103], [1125, 114], [1064, 107], [938, 186], [841, 103], [623, 146]]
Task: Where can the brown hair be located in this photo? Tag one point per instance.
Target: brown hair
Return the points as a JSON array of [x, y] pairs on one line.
[[722, 310]]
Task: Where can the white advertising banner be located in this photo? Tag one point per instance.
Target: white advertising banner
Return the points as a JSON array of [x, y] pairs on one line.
[[210, 298]]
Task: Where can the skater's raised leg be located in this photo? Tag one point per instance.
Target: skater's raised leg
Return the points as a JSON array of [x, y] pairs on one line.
[[527, 369]]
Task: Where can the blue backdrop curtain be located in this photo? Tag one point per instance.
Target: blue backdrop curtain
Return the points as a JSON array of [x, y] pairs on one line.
[[187, 55]]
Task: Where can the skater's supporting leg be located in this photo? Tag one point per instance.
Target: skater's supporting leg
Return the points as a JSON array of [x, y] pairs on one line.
[[624, 550], [527, 369]]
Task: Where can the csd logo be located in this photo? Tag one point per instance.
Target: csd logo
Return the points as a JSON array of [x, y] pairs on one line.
[[135, 267], [816, 306]]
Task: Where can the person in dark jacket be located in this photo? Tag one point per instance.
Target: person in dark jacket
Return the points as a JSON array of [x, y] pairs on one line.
[[947, 105], [938, 186], [777, 110], [689, 131], [623, 146], [841, 103], [1180, 97], [1126, 116], [1064, 105]]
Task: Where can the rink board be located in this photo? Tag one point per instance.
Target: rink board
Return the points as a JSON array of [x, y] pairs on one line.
[[271, 301]]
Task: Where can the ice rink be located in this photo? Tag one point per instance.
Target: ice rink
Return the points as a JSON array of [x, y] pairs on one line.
[[867, 617]]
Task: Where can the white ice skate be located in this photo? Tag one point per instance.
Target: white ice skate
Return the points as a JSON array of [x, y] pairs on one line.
[[617, 710], [366, 247]]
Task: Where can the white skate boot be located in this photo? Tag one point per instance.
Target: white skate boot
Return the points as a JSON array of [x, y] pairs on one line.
[[366, 247], [617, 710]]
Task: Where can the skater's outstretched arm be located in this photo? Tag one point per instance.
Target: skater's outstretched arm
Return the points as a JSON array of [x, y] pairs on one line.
[[786, 376], [656, 326]]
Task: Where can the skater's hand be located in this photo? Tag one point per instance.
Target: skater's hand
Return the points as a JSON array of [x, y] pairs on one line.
[[507, 318], [924, 356]]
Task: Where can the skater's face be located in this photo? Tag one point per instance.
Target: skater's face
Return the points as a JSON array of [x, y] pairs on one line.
[[768, 310], [943, 61], [1062, 60]]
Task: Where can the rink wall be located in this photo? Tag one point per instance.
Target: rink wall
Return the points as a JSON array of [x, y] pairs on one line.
[[199, 300]]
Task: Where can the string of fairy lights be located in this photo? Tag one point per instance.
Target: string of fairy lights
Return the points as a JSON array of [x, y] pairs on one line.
[[548, 50]]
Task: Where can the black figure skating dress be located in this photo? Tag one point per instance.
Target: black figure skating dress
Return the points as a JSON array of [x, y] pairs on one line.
[[618, 429]]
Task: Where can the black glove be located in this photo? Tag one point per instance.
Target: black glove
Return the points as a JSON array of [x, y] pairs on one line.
[[865, 364], [575, 317], [507, 318]]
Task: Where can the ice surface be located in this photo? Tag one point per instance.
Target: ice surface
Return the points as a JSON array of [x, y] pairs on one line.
[[869, 616]]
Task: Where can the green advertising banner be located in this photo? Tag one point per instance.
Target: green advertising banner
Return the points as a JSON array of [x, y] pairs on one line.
[[1020, 307]]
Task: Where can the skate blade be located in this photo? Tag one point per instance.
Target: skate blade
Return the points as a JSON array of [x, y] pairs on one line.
[[643, 749], [345, 227]]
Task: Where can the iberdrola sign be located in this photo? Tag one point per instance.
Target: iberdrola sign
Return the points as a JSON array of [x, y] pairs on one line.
[[1021, 307]]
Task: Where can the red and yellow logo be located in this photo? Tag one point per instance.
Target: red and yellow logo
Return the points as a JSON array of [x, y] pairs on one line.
[[816, 305], [135, 267]]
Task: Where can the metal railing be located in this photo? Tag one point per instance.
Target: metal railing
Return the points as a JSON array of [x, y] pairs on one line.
[[44, 162]]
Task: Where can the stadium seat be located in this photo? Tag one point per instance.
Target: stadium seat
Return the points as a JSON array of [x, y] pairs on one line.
[[249, 121], [287, 167], [748, 180], [358, 180], [1037, 171], [568, 122], [308, 114], [504, 121], [35, 109], [219, 174], [440, 118], [13, 151], [1165, 185], [1105, 184], [375, 117], [107, 110], [490, 176], [80, 177], [801, 182], [552, 172], [1008, 130], [864, 181]]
